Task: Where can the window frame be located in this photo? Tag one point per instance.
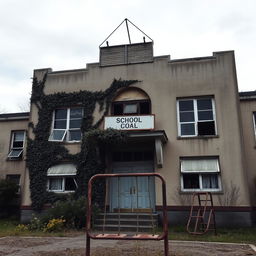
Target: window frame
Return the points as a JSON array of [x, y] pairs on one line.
[[66, 135], [200, 176], [12, 148], [196, 119], [131, 102], [254, 122], [63, 178]]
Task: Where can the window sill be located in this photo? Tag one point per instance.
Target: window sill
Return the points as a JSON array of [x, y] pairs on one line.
[[206, 137], [66, 142], [61, 192], [71, 142], [14, 159], [219, 192]]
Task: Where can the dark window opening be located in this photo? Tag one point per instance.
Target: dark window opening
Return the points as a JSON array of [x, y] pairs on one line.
[[148, 155], [191, 181], [127, 156], [206, 128], [117, 156], [70, 184], [145, 108], [17, 144], [132, 156], [131, 107], [118, 109], [138, 156]]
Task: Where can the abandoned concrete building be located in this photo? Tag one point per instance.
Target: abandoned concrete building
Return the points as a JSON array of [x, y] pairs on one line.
[[185, 119]]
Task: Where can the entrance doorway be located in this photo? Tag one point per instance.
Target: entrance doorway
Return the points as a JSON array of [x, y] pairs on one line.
[[136, 194]]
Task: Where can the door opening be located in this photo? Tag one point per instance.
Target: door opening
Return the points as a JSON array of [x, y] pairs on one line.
[[132, 193]]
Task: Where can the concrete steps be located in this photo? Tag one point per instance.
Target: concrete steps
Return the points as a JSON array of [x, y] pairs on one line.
[[127, 222]]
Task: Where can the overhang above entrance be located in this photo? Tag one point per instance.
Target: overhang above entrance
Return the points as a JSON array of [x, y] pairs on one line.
[[159, 138], [160, 134]]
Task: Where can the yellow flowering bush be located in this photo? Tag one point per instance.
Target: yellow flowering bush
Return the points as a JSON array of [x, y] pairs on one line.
[[54, 225], [21, 228]]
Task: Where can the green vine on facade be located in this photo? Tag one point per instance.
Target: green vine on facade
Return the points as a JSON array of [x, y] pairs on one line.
[[42, 153]]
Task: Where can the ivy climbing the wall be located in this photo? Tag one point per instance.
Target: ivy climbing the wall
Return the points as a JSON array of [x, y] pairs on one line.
[[42, 153]]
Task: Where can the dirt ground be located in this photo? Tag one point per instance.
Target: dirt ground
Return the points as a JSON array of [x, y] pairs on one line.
[[75, 246]]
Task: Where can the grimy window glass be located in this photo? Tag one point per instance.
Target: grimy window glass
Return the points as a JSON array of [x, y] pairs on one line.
[[17, 144], [196, 117], [67, 124], [139, 107], [200, 174]]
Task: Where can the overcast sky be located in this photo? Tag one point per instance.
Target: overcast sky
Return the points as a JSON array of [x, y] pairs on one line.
[[65, 34]]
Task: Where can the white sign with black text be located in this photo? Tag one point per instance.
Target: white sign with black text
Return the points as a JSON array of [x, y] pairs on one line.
[[146, 122]]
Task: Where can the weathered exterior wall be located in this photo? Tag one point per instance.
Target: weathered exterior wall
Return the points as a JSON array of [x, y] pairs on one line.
[[11, 167], [164, 81], [247, 109]]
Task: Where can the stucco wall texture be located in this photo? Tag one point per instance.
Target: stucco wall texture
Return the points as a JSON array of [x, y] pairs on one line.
[[165, 81]]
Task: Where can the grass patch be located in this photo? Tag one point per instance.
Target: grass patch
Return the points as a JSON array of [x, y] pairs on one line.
[[7, 227], [225, 235]]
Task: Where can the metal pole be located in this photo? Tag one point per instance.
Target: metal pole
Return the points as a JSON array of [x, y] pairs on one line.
[[140, 30], [88, 221], [165, 219], [128, 31], [111, 33], [166, 246], [137, 198], [118, 198], [88, 246], [105, 206]]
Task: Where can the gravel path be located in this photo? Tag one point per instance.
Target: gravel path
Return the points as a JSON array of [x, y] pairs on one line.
[[75, 246]]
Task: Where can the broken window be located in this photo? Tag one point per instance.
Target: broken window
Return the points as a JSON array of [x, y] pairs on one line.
[[196, 117]]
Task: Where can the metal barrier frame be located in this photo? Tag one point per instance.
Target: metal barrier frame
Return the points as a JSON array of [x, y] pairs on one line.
[[163, 236]]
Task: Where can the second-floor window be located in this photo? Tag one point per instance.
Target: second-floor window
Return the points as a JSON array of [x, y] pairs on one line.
[[17, 144], [66, 124], [196, 117], [131, 108]]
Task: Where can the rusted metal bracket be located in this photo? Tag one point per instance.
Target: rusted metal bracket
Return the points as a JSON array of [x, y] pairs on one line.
[[202, 215]]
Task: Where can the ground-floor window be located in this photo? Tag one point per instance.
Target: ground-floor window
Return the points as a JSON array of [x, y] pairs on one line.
[[61, 178], [200, 174], [62, 184]]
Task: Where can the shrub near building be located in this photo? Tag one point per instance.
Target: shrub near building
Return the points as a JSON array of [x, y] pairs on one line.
[[8, 198]]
